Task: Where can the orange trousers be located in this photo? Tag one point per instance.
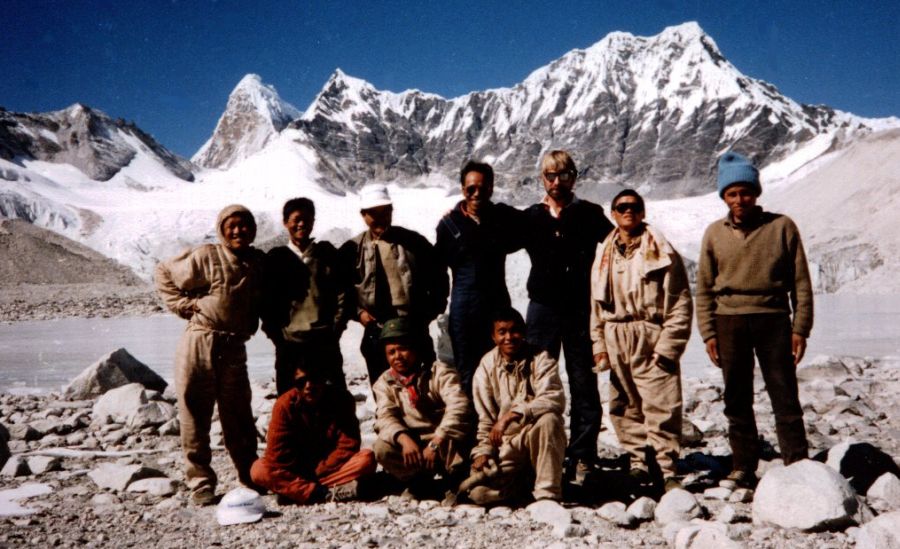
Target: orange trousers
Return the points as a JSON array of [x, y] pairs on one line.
[[299, 489]]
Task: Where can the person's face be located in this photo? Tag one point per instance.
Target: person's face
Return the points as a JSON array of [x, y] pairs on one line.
[[236, 230], [558, 183], [378, 219], [401, 357], [508, 337], [310, 386], [628, 213], [476, 192], [299, 226], [740, 199]]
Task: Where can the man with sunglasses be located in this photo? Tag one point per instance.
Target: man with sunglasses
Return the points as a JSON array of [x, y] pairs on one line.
[[562, 235], [313, 444], [473, 240], [640, 324], [752, 279]]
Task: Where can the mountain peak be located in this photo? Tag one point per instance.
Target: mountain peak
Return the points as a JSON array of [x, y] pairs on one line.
[[254, 114]]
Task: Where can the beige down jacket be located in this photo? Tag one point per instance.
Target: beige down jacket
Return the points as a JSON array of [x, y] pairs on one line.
[[652, 287], [214, 288]]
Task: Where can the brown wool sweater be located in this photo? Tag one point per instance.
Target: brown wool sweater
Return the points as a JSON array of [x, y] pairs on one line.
[[764, 271]]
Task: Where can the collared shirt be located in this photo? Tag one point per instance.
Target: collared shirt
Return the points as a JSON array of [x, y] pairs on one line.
[[304, 255], [553, 210]]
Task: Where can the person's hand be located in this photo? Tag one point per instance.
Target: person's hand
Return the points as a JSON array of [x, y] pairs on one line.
[[480, 462], [500, 427], [365, 318], [601, 362], [412, 455], [429, 455], [712, 349], [798, 347]]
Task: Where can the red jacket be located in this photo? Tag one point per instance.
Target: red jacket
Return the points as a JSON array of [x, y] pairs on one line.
[[311, 440]]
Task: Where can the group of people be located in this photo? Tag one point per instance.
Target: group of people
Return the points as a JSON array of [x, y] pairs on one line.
[[488, 427]]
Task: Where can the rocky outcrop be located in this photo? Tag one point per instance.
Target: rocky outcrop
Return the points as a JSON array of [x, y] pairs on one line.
[[114, 370]]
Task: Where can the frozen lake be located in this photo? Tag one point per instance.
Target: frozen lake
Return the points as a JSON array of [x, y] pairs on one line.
[[38, 356]]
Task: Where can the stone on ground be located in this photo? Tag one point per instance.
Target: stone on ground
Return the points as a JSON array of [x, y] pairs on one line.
[[806, 495], [116, 369], [117, 477], [642, 508], [677, 505], [152, 414], [16, 466], [881, 533], [616, 513], [119, 404], [549, 512], [884, 494], [43, 464], [155, 486], [860, 462], [705, 535]]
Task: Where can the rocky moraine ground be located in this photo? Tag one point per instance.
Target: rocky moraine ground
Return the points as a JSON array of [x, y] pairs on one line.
[[99, 466]]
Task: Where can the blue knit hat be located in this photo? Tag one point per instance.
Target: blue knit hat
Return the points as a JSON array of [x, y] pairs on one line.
[[735, 168]]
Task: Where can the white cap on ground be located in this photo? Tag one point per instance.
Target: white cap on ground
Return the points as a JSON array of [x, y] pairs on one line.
[[373, 196], [239, 506]]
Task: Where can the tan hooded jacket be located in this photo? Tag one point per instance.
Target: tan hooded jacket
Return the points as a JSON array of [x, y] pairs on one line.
[[530, 387], [443, 405], [214, 288], [653, 287]]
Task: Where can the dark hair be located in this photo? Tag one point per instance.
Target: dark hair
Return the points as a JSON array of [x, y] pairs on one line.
[[628, 192], [297, 204], [473, 166], [507, 314]]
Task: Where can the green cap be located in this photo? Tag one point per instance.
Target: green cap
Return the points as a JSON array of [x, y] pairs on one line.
[[396, 328]]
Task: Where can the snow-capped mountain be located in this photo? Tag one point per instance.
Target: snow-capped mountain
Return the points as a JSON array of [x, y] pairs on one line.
[[85, 138], [253, 116], [651, 113]]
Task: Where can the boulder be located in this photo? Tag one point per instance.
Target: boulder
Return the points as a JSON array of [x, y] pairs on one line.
[[677, 505], [860, 462], [16, 466], [113, 370], [881, 533], [806, 495], [822, 367], [642, 508], [117, 477], [155, 486], [616, 513], [23, 431], [119, 404], [884, 494], [549, 512], [152, 414], [43, 464]]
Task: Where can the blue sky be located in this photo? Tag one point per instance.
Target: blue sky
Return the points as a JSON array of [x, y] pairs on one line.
[[170, 65]]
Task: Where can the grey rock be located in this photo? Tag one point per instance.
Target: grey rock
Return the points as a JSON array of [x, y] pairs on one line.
[[677, 505], [859, 462], [642, 508], [549, 512], [155, 486], [116, 477], [47, 426], [670, 530], [806, 495], [376, 511], [562, 530], [43, 464], [113, 370], [706, 535], [718, 492], [728, 514], [151, 414], [500, 512], [16, 466], [23, 431], [106, 504], [691, 435], [171, 427], [616, 513], [119, 404], [884, 494], [741, 495], [822, 368], [881, 533]]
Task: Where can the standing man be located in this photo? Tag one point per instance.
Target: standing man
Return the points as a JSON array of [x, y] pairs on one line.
[[422, 419], [473, 239], [563, 233], [306, 300], [751, 279], [395, 273], [520, 401], [640, 325], [217, 288]]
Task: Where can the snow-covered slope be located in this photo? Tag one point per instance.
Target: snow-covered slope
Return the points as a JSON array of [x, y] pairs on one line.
[[254, 115]]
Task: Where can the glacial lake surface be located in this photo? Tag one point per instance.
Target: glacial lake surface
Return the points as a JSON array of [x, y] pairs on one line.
[[42, 356]]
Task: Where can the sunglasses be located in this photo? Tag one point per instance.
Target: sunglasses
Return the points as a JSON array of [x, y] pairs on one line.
[[472, 189], [623, 207], [564, 176]]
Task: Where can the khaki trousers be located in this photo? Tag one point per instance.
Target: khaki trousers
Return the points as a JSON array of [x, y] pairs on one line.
[[645, 404], [539, 447], [390, 456], [211, 368]]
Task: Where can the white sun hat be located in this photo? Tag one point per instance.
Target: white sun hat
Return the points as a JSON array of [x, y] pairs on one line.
[[373, 196], [239, 506]]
